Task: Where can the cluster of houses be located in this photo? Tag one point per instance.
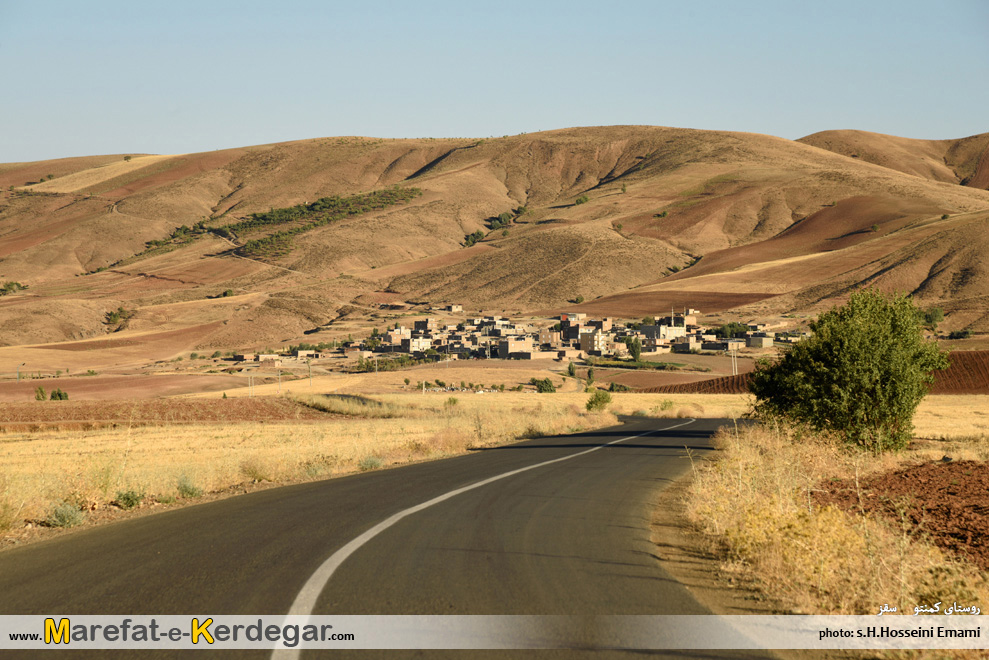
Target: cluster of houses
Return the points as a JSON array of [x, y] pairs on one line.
[[573, 336]]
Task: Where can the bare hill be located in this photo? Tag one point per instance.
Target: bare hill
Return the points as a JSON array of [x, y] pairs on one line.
[[630, 219], [964, 161]]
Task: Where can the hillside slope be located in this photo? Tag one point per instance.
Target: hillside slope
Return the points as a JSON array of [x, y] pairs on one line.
[[964, 161], [631, 219]]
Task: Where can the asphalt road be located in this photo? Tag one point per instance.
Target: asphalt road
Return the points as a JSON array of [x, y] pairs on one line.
[[570, 537]]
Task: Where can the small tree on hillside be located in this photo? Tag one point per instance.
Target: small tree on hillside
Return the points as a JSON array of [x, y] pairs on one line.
[[861, 375]]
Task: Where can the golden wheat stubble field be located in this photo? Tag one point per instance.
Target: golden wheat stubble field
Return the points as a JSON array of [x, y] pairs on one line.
[[307, 436], [326, 435]]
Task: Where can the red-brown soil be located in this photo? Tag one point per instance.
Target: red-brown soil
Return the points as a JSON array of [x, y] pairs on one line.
[[968, 374], [636, 305], [724, 385], [83, 415], [119, 387], [946, 501]]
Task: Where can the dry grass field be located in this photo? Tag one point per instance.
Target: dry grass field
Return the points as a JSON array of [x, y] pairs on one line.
[[158, 454], [89, 469], [761, 506]]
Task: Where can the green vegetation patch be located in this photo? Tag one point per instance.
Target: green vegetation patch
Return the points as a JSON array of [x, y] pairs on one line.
[[307, 217], [641, 364]]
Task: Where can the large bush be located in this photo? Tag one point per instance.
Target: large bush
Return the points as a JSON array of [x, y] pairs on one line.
[[861, 375]]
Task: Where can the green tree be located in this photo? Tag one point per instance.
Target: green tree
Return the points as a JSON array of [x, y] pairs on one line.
[[590, 375], [931, 317], [471, 239], [861, 375], [729, 330], [543, 385], [583, 199], [635, 349], [599, 400], [40, 394], [571, 370]]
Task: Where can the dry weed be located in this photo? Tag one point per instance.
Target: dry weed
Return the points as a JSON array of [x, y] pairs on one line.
[[756, 501], [88, 468]]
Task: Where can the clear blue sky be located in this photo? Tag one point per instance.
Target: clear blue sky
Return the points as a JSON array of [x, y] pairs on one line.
[[156, 76]]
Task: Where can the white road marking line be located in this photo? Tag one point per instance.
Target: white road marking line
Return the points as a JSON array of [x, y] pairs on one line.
[[305, 602]]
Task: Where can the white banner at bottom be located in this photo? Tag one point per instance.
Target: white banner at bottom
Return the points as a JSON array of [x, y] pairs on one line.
[[638, 632]]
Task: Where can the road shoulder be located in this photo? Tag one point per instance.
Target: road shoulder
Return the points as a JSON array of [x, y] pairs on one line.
[[692, 559]]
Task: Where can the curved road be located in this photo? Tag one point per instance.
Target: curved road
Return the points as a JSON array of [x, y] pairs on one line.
[[568, 537]]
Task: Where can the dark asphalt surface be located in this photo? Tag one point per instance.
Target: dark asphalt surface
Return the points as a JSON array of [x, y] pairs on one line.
[[568, 538]]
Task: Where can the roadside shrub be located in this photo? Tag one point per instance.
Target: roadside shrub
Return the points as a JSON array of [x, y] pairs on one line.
[[40, 394], [543, 385], [959, 334], [128, 499], [369, 463], [256, 470], [65, 515], [8, 515], [861, 375], [598, 401], [8, 512], [186, 488], [57, 395]]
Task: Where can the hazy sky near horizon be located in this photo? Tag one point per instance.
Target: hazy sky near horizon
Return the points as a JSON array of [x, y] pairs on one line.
[[170, 77]]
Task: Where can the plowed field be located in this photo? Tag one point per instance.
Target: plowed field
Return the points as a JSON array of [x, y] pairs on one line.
[[968, 374], [84, 415], [949, 501]]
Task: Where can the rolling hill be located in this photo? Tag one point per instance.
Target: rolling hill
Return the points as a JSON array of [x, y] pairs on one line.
[[631, 219]]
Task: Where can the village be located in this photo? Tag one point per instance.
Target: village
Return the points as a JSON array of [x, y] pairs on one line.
[[574, 335]]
